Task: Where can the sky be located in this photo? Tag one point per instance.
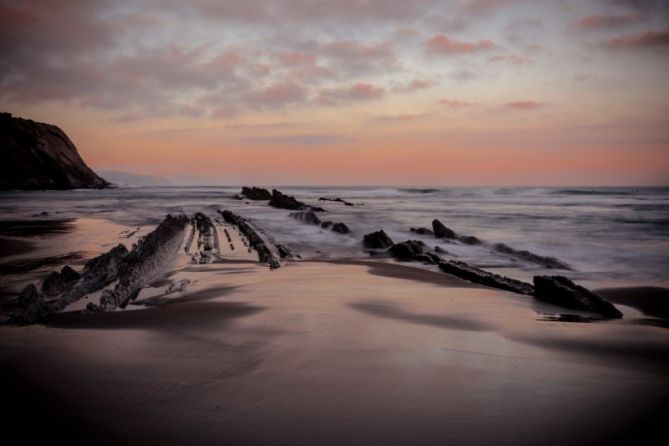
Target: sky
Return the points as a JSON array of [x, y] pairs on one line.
[[349, 92]]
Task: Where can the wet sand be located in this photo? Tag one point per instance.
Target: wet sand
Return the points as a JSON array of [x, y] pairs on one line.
[[319, 353]]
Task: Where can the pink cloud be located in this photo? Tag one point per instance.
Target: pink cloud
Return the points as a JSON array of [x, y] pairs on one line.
[[276, 95], [647, 40], [485, 6], [415, 85], [442, 44], [454, 103], [513, 59], [353, 93], [293, 58], [524, 105], [595, 22]]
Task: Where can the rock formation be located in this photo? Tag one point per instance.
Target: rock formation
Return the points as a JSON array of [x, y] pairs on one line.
[[413, 250], [482, 277], [337, 200], [559, 290], [441, 231], [547, 262], [41, 156], [262, 247], [282, 201], [256, 193], [377, 240]]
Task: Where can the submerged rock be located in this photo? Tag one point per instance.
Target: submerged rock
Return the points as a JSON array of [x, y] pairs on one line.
[[306, 216], [340, 228], [469, 240], [338, 200], [422, 231], [547, 262], [413, 250], [326, 224], [256, 193], [440, 250], [377, 240], [559, 290], [282, 201], [441, 231], [482, 277]]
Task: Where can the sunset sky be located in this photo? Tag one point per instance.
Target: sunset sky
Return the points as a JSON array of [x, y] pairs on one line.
[[344, 92]]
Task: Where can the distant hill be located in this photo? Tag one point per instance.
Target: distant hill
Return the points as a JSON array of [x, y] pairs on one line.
[[34, 155], [134, 179]]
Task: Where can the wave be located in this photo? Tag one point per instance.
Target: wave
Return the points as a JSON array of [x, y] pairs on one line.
[[418, 190]]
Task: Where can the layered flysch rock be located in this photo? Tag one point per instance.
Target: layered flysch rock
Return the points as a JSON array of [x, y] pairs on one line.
[[264, 249], [559, 290], [482, 277], [148, 258], [68, 286], [41, 156]]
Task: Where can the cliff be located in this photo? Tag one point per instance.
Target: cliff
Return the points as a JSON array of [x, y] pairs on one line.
[[41, 156]]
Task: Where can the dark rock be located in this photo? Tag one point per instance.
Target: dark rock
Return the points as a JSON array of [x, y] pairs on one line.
[[149, 256], [482, 277], [32, 306], [207, 242], [256, 193], [469, 240], [306, 216], [441, 231], [256, 242], [282, 201], [440, 250], [559, 290], [546, 262], [41, 156], [407, 250], [377, 240], [326, 224], [422, 231], [316, 209], [340, 228], [57, 282], [338, 200]]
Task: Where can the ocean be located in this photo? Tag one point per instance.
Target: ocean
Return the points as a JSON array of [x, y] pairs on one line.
[[609, 237]]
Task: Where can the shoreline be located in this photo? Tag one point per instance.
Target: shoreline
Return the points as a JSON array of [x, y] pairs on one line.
[[292, 356]]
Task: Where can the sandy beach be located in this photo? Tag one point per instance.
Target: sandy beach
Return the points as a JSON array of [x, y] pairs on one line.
[[334, 353]]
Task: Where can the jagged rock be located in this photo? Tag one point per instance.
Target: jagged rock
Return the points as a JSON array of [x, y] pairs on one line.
[[377, 240], [256, 242], [32, 306], [340, 228], [207, 242], [57, 282], [477, 275], [440, 250], [422, 231], [338, 200], [407, 250], [441, 231], [151, 255], [41, 156], [282, 201], [559, 290], [256, 193], [469, 240], [326, 224], [547, 262], [317, 209], [306, 217]]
